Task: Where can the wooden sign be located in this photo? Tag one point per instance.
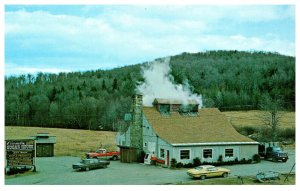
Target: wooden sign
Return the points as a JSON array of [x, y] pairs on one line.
[[20, 152]]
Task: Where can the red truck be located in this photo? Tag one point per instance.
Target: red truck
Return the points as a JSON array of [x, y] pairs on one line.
[[103, 154]]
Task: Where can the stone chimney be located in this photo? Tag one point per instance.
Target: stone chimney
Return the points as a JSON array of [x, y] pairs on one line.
[[136, 130]]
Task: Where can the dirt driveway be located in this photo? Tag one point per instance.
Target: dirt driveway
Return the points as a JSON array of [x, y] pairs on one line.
[[58, 171]]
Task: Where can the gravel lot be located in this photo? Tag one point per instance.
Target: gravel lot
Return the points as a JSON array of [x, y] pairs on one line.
[[58, 171]]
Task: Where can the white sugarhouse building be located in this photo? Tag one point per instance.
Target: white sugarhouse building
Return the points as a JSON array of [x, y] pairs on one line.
[[171, 129]]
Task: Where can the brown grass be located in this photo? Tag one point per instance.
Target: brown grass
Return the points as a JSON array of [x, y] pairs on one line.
[[252, 119], [69, 142]]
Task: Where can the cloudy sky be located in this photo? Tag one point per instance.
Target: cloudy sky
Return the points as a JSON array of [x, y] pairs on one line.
[[79, 38]]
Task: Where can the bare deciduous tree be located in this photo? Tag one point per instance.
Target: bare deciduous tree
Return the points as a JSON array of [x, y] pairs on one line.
[[272, 114]]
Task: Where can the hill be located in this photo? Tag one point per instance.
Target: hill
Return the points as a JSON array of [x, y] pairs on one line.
[[98, 100]]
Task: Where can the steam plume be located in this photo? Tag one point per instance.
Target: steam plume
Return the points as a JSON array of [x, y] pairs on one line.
[[159, 83]]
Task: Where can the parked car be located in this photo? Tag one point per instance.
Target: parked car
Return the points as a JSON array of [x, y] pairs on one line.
[[87, 164], [206, 171], [273, 153], [103, 154]]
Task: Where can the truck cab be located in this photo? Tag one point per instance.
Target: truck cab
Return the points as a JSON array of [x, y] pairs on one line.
[[103, 154], [276, 154], [101, 151]]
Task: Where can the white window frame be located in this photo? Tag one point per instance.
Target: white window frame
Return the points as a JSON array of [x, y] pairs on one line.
[[229, 149], [211, 153], [185, 150], [162, 153]]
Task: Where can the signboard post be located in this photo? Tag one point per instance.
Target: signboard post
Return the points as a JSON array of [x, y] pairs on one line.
[[20, 153]]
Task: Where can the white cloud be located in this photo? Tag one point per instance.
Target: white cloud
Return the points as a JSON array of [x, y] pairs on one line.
[[131, 34]]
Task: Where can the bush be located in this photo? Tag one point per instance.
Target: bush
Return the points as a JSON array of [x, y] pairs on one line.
[[256, 158], [173, 163], [220, 159], [196, 161], [188, 165], [247, 130], [179, 165], [250, 130], [286, 134], [243, 161], [236, 160]]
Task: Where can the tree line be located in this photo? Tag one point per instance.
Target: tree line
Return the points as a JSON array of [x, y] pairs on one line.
[[98, 99]]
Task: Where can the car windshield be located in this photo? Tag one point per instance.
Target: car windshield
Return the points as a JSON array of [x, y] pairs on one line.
[[276, 149], [86, 161], [198, 168]]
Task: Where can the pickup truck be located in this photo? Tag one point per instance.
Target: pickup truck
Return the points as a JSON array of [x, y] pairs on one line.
[[103, 154], [276, 154], [273, 153]]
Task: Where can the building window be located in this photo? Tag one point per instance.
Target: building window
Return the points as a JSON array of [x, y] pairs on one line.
[[228, 152], [162, 153], [145, 144], [184, 154], [207, 153]]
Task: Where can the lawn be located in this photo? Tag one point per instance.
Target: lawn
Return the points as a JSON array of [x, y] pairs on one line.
[[252, 118], [69, 142]]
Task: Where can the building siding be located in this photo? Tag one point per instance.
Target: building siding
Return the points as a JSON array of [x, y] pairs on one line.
[[123, 139], [248, 151], [151, 140], [239, 152], [153, 144]]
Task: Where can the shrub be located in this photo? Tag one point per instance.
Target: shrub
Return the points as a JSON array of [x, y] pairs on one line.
[[243, 161], [188, 165], [256, 158], [179, 165], [250, 130], [220, 159], [236, 160], [205, 163], [287, 133], [196, 161], [173, 163]]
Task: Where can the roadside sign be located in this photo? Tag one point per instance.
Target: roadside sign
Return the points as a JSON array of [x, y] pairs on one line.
[[20, 153]]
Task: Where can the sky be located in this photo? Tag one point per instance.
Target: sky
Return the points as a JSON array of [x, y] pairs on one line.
[[65, 38]]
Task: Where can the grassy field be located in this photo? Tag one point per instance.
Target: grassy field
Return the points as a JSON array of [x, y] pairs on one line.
[[72, 142], [252, 119], [69, 142]]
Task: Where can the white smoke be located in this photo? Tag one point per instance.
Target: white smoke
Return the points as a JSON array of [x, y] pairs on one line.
[[159, 83]]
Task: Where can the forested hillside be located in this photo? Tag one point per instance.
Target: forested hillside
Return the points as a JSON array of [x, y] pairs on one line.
[[229, 80]]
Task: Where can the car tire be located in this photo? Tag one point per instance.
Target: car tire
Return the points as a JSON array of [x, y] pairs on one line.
[[202, 177], [95, 157], [284, 160], [225, 175], [105, 166], [87, 169], [114, 158]]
